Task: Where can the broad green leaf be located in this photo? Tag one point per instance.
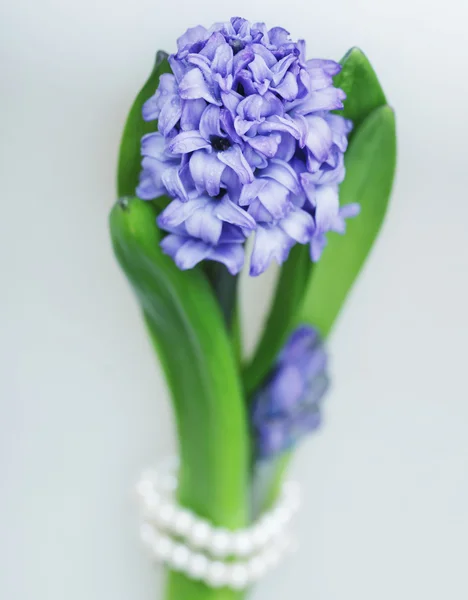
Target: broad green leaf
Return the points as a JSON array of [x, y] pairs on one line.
[[286, 301], [129, 166], [364, 94], [363, 91], [188, 332], [370, 165]]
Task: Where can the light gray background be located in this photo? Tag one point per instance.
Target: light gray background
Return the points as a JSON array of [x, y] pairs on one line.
[[83, 404]]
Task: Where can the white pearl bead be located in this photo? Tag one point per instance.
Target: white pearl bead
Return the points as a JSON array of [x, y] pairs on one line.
[[200, 533], [259, 535], [242, 543], [238, 576], [166, 514], [219, 544], [152, 503], [197, 566], [268, 525], [183, 522], [163, 547], [180, 556], [144, 487], [216, 575]]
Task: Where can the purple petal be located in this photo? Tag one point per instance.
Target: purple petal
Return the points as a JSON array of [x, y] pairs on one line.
[[178, 212], [251, 108], [340, 128], [150, 185], [259, 69], [300, 342], [283, 173], [278, 36], [266, 54], [167, 88], [190, 253], [206, 170], [287, 147], [222, 61], [296, 127], [231, 235], [287, 389], [153, 145], [288, 88], [319, 137], [250, 191], [231, 100], [255, 159], [299, 225], [202, 62], [259, 212], [317, 244], [204, 224], [350, 210], [229, 212], [327, 205], [270, 244], [227, 122], [234, 158], [210, 122], [172, 243], [192, 35], [330, 98], [187, 141], [265, 144], [192, 111], [242, 59], [230, 255], [194, 86], [215, 40], [170, 114], [173, 183], [309, 187], [274, 198], [330, 67], [279, 70], [345, 212], [178, 67]]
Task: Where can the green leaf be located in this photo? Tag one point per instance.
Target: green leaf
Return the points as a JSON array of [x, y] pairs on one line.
[[363, 91], [364, 94], [286, 301], [188, 332], [129, 165], [370, 165]]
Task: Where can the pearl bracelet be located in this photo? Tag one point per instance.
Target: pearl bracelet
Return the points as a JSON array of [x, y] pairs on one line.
[[156, 490], [214, 573]]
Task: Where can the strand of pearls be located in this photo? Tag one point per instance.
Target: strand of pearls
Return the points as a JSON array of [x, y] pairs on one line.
[[215, 573], [187, 543]]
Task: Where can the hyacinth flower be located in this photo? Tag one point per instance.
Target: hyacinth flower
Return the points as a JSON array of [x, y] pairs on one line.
[[287, 405], [245, 120], [236, 136]]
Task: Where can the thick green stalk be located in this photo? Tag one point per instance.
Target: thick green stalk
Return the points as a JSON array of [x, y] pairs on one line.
[[188, 332]]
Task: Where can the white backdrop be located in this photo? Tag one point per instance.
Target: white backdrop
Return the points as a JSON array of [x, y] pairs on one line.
[[83, 404]]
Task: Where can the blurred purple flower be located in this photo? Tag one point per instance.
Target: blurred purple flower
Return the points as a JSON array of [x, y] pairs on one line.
[[246, 138], [288, 404]]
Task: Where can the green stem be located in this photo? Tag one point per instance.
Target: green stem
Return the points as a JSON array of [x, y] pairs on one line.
[[225, 288]]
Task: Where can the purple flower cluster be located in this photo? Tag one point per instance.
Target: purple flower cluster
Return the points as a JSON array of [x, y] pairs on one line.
[[288, 404], [246, 143]]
